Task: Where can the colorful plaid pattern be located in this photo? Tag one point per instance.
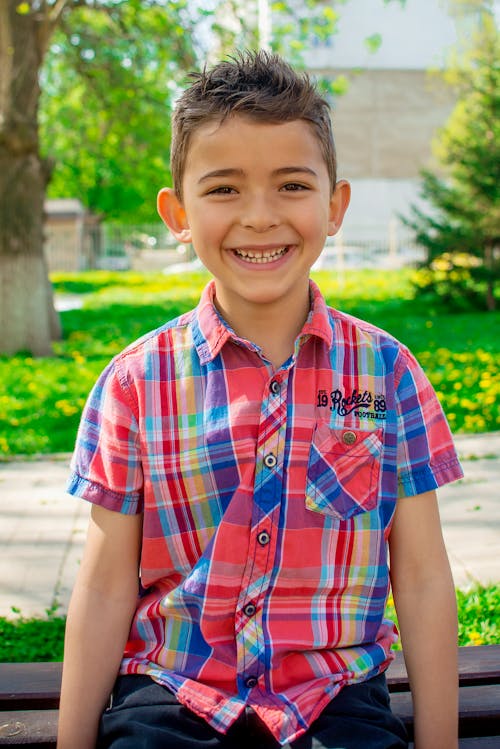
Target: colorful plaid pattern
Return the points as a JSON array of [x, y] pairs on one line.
[[268, 499]]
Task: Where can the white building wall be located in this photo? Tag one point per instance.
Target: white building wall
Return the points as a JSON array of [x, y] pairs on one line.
[[415, 37], [385, 123]]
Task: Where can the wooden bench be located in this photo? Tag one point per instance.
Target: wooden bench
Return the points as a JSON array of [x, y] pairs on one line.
[[29, 698]]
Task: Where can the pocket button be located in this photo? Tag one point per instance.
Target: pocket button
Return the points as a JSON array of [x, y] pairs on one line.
[[349, 438]]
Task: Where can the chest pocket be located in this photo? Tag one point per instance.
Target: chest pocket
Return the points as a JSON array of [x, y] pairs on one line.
[[343, 473]]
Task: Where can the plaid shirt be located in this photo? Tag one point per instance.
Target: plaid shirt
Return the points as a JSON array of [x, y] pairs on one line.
[[267, 499]]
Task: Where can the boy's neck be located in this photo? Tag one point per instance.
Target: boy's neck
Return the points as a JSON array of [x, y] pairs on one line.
[[273, 327]]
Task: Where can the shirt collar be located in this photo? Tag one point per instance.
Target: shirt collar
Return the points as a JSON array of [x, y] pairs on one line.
[[211, 332], [318, 321]]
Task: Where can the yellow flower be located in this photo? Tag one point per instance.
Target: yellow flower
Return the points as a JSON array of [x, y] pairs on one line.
[[475, 638], [67, 408], [77, 357]]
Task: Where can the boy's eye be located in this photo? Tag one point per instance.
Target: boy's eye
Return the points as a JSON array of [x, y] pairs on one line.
[[224, 190], [294, 186]]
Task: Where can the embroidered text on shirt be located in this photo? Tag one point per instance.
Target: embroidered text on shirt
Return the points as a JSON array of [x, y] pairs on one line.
[[364, 404]]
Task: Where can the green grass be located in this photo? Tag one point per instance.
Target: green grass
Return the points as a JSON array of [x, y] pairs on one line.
[[24, 640], [41, 399]]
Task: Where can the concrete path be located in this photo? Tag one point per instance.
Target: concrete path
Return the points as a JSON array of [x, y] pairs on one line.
[[42, 529]]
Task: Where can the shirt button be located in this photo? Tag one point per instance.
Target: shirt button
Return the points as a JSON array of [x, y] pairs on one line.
[[250, 609], [263, 538], [275, 387], [349, 438], [270, 460], [251, 682]]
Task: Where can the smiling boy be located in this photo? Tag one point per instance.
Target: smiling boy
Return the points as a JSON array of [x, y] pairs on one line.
[[236, 474], [258, 221]]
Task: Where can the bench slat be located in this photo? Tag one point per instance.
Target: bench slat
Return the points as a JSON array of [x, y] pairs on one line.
[[24, 729], [479, 710], [28, 727], [477, 665], [38, 687], [38, 728], [30, 685]]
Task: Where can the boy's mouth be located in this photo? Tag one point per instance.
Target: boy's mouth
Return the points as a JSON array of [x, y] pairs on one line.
[[263, 256]]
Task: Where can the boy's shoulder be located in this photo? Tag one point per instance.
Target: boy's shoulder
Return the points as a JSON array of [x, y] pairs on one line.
[[342, 327], [159, 339], [352, 335], [355, 327]]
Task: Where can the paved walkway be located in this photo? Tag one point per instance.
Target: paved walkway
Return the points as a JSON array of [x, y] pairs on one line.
[[42, 529]]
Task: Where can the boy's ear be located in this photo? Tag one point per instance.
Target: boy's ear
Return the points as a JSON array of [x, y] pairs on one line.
[[173, 214], [338, 206]]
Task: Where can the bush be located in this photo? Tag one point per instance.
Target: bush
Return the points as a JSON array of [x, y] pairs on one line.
[[25, 640], [454, 282], [479, 615]]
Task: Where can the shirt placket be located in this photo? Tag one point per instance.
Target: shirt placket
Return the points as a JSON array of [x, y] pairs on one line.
[[268, 489]]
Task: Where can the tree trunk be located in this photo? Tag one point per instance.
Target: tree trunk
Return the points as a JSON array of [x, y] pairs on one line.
[[28, 321], [25, 305], [490, 283]]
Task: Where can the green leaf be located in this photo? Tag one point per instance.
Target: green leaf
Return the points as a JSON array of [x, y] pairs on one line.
[[373, 42], [340, 85]]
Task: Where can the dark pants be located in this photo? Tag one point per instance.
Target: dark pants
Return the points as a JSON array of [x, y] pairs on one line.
[[145, 715]]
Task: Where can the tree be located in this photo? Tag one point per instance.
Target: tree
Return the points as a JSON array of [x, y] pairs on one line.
[[461, 228], [106, 106], [27, 317]]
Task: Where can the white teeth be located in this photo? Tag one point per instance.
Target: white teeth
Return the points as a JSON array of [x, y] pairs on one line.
[[261, 257]]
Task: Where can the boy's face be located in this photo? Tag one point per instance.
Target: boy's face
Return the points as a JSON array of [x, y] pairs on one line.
[[257, 206]]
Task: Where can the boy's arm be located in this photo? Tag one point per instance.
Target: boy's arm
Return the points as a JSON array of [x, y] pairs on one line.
[[99, 616], [424, 597]]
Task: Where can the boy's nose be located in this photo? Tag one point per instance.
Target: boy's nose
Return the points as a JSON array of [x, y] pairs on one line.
[[259, 213]]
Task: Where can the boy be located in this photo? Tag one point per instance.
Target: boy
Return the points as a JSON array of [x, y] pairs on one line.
[[254, 459]]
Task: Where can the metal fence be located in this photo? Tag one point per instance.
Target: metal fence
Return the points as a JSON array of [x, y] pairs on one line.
[[144, 247], [151, 247], [365, 249]]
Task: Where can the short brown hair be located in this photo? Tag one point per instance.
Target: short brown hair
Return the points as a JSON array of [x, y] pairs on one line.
[[259, 85]]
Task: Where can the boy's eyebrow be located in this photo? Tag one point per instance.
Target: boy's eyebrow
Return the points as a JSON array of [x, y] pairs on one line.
[[221, 173], [295, 170], [233, 172]]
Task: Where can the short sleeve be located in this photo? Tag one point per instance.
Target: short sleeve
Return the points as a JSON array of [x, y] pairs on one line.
[[106, 465], [426, 456]]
